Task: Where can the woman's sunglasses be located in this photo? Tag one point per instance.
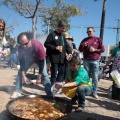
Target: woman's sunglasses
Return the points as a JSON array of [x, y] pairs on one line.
[[89, 31]]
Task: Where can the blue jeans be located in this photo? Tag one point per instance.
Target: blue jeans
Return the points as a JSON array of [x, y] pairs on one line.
[[106, 71], [13, 56], [92, 67], [57, 77], [83, 91], [45, 78]]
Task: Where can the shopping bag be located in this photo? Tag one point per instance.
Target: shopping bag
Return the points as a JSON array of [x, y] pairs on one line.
[[56, 87], [116, 77]]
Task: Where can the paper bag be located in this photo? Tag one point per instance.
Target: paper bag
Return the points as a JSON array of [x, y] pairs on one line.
[[116, 77]]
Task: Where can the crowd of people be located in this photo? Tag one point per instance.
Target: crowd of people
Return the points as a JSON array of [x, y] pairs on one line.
[[62, 59], [8, 49], [9, 53]]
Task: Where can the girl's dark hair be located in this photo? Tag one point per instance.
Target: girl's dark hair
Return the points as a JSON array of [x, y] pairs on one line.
[[23, 33], [75, 59], [3, 22]]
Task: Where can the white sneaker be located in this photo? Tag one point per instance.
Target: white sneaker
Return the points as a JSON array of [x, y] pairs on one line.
[[95, 95], [15, 95]]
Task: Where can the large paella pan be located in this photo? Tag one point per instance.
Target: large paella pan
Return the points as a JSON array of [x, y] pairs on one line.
[[38, 107]]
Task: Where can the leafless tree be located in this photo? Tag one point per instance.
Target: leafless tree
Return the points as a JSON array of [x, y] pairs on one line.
[[28, 8], [34, 9]]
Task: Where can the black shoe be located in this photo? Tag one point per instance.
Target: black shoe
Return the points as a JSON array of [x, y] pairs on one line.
[[79, 109], [74, 102]]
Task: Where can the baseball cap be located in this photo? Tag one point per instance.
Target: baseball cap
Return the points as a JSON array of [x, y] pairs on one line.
[[71, 38], [66, 35], [12, 38]]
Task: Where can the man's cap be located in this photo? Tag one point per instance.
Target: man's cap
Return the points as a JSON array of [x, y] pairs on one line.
[[61, 23], [12, 38]]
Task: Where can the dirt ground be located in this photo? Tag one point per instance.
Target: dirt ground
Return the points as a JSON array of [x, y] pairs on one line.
[[103, 108]]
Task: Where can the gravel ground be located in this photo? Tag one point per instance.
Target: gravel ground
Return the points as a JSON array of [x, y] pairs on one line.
[[103, 108]]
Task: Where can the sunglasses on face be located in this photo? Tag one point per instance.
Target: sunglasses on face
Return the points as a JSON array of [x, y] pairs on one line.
[[25, 44], [89, 31], [63, 27], [73, 65]]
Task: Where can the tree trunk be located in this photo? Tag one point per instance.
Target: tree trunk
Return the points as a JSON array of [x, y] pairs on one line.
[[34, 28], [103, 19]]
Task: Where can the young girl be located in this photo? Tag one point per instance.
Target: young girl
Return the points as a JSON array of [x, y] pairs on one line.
[[77, 84]]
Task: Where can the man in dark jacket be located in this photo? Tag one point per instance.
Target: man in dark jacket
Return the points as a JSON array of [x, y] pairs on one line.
[[57, 47]]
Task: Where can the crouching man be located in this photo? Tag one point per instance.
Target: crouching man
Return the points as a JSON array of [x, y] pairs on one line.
[[29, 52]]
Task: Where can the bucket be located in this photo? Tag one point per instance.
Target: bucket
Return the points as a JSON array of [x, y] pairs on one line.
[[115, 92]]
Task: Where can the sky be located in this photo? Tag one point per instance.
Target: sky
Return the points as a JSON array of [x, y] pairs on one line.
[[78, 24]]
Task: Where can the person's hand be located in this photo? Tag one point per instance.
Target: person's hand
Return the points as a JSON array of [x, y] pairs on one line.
[[39, 76], [74, 50], [69, 56], [85, 44], [26, 80], [92, 49], [59, 48], [38, 80]]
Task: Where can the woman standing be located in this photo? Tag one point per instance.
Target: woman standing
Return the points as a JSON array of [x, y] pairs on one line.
[[116, 56], [2, 34]]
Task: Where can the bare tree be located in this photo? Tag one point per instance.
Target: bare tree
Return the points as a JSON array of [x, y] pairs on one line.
[[34, 9], [28, 8]]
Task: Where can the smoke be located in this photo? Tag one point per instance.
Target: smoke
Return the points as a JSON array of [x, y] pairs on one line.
[[42, 39]]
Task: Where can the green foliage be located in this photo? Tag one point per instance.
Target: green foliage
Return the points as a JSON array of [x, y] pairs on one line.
[[112, 48], [50, 15], [59, 11]]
